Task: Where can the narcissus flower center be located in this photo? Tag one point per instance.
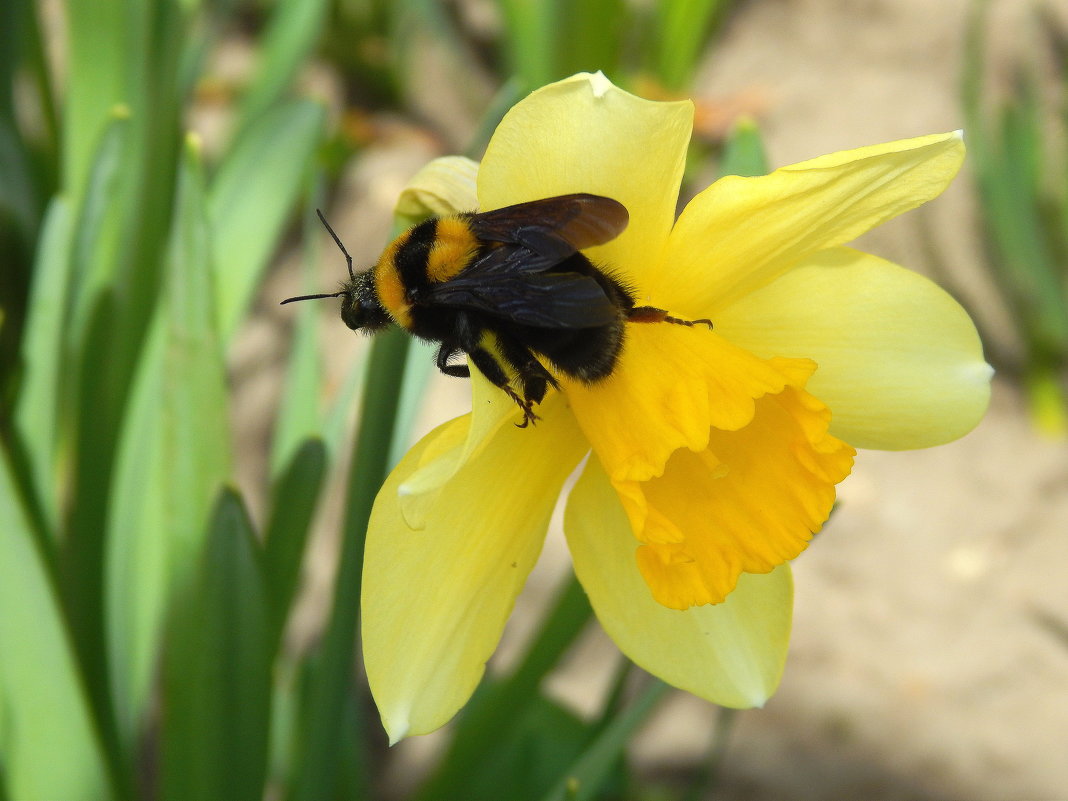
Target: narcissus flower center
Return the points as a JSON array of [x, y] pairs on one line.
[[752, 476]]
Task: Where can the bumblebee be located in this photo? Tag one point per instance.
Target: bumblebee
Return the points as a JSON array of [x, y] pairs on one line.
[[510, 288]]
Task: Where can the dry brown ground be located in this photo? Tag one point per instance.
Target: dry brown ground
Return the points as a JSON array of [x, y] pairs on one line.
[[920, 666]]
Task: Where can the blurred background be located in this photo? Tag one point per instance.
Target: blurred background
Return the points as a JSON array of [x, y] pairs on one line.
[[180, 455]]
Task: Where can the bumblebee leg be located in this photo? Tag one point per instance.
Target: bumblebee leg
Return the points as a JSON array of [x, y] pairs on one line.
[[651, 314], [536, 379], [446, 352], [488, 365]]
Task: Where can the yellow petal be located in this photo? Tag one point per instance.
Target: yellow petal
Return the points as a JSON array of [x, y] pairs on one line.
[[583, 134], [435, 600], [452, 447], [731, 654], [900, 362], [443, 187], [742, 233], [747, 504], [671, 384]]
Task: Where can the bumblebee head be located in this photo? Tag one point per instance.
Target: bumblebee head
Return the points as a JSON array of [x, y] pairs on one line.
[[360, 309]]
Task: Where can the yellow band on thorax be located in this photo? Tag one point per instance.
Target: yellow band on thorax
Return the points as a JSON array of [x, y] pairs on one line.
[[455, 245]]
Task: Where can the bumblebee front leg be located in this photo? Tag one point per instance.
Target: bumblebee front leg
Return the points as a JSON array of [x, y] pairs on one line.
[[446, 352], [651, 314]]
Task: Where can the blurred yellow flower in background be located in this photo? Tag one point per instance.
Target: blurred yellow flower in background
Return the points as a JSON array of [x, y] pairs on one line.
[[712, 455]]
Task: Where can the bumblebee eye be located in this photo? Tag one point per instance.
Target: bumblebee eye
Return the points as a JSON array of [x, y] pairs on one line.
[[352, 312]]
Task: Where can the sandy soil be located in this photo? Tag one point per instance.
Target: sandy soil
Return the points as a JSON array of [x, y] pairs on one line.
[[924, 661]]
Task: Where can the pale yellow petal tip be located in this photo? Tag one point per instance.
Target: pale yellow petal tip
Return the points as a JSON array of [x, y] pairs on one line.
[[755, 697], [600, 84], [959, 134], [397, 727]]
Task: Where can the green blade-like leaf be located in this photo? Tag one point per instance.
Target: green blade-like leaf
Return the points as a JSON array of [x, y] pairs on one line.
[[136, 565], [417, 372], [49, 746], [293, 506], [684, 28], [540, 744], [291, 35], [95, 263], [530, 39], [1027, 251], [594, 767], [97, 80], [339, 415], [590, 36], [174, 455], [487, 719], [20, 192], [37, 407], [317, 773], [217, 670], [744, 153], [299, 415], [252, 196]]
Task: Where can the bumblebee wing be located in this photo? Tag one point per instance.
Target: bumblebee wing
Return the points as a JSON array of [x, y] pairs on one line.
[[544, 300], [554, 227]]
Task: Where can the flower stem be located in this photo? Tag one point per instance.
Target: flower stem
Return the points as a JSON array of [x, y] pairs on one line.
[[330, 678], [591, 769]]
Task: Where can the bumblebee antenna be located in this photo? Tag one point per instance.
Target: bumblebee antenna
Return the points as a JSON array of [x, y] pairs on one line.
[[348, 262], [313, 297], [348, 258]]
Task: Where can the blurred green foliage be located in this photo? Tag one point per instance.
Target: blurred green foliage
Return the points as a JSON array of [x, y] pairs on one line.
[[1016, 141], [142, 612]]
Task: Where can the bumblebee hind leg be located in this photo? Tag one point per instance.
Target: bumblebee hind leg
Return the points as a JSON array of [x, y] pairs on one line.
[[536, 379], [488, 365], [651, 314], [468, 339]]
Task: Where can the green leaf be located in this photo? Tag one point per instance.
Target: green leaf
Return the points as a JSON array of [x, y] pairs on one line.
[[174, 455], [1006, 155], [540, 744], [594, 768], [48, 741], [530, 40], [251, 198], [683, 29], [99, 53], [317, 773], [292, 33], [590, 37], [293, 506], [418, 369], [93, 250], [486, 721], [744, 152], [340, 413], [136, 562], [299, 416], [37, 407], [217, 670]]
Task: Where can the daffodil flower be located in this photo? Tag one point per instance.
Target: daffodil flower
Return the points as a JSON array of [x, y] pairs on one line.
[[711, 457]]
